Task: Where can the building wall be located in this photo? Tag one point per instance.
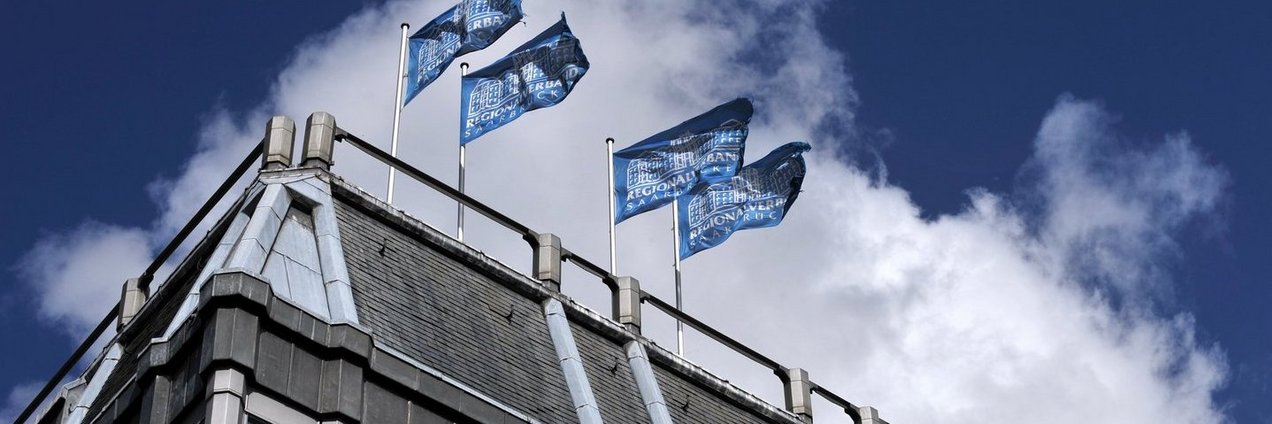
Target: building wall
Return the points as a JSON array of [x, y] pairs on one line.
[[444, 334], [289, 364]]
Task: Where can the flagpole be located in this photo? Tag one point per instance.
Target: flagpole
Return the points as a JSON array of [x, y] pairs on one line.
[[675, 228], [459, 217], [397, 107], [609, 164]]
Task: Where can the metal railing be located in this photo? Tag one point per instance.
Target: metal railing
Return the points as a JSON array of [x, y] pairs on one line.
[[527, 234], [714, 334], [849, 408], [604, 275], [436, 184], [591, 268], [144, 279]]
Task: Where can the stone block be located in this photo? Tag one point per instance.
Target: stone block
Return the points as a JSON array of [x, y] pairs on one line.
[[131, 300], [626, 303], [351, 339], [320, 131], [547, 260], [228, 381], [305, 326], [221, 334], [420, 415], [273, 362], [302, 385], [382, 406], [394, 368], [869, 415], [341, 388], [285, 314], [230, 335], [243, 339], [154, 404], [798, 393], [280, 136]]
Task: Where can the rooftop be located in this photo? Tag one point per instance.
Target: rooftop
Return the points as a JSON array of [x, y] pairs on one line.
[[303, 243]]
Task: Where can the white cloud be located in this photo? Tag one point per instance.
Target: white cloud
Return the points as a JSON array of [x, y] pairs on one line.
[[1040, 306], [79, 273], [17, 399], [1105, 201]]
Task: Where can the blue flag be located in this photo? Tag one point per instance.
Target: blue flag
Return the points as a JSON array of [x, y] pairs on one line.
[[470, 26], [706, 148], [757, 197], [536, 75]]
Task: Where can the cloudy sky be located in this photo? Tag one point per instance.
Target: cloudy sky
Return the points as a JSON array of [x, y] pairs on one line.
[[1041, 213]]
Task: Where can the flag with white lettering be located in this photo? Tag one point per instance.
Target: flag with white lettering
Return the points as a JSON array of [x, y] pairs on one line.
[[467, 27], [759, 196], [539, 74], [706, 148]]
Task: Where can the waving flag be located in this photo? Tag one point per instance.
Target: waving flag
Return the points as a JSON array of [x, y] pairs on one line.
[[467, 27], [706, 148], [536, 75], [757, 197]]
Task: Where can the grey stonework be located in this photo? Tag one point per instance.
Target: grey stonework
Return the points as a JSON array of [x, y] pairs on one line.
[[322, 371], [870, 415], [435, 332]]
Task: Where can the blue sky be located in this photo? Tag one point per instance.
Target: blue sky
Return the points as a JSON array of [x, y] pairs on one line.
[[104, 100], [959, 86]]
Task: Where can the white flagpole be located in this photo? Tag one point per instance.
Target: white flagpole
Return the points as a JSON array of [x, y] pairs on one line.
[[675, 228], [609, 162], [397, 107], [459, 217]]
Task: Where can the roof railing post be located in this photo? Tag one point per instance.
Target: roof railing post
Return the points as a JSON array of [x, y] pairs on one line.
[[799, 394], [626, 303], [547, 260], [320, 130], [870, 415], [131, 301], [280, 136]]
